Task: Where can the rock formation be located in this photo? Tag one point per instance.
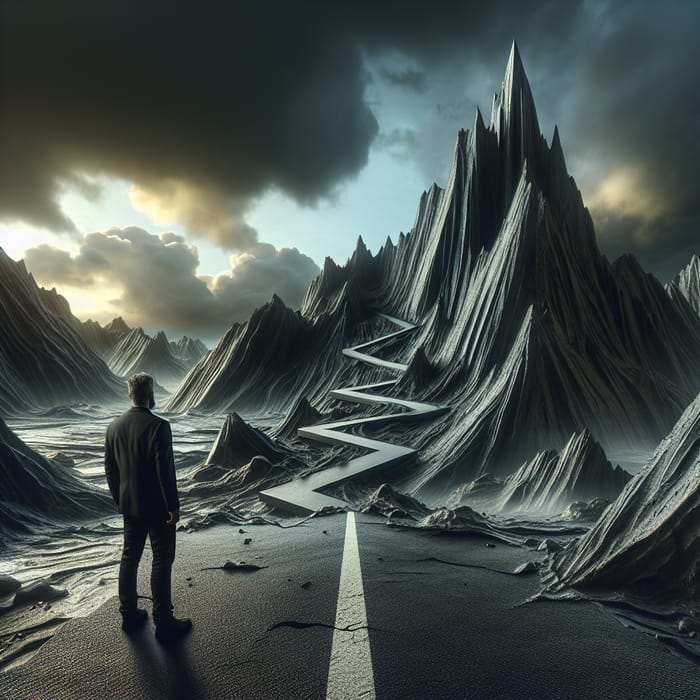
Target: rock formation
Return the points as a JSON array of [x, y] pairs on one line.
[[44, 359], [138, 352], [548, 483], [104, 340], [263, 363], [648, 540], [37, 492], [237, 443], [188, 350], [687, 282], [553, 480], [301, 415], [527, 333]]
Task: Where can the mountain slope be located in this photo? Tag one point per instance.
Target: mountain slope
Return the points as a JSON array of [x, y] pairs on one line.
[[37, 492], [553, 480], [188, 350], [687, 282], [528, 333], [648, 541], [44, 360], [138, 352]]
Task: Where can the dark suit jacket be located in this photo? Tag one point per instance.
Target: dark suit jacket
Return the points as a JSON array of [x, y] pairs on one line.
[[139, 465]]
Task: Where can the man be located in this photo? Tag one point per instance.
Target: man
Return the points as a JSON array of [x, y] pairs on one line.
[[141, 476]]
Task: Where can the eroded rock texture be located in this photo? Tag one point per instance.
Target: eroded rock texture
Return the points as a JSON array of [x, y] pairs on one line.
[[44, 359], [527, 332], [38, 492], [138, 352], [648, 540]]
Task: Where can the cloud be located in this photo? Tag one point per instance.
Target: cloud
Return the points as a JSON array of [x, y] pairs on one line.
[[429, 144], [158, 281], [207, 210], [228, 98], [55, 266], [223, 101], [408, 78]]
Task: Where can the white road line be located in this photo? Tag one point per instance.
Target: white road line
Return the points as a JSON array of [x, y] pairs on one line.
[[350, 673]]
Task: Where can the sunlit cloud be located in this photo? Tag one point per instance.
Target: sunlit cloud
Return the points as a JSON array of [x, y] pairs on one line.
[[627, 200], [203, 212], [16, 239], [153, 281]]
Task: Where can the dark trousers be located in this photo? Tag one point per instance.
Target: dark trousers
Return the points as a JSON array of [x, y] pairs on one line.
[[162, 538]]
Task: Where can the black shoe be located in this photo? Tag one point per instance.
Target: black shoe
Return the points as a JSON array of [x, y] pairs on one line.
[[134, 619], [171, 629]]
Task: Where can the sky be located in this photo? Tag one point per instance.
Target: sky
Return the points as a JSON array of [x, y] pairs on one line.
[[177, 163]]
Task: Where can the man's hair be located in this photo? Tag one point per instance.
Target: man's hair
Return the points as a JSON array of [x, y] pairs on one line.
[[140, 387]]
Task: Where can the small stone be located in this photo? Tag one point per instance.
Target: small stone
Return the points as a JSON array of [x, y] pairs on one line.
[[686, 625], [325, 532], [306, 584], [490, 545], [529, 567], [189, 578], [241, 531], [247, 540], [380, 558], [289, 579]]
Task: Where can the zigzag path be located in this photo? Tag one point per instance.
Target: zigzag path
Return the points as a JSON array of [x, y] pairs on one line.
[[302, 496]]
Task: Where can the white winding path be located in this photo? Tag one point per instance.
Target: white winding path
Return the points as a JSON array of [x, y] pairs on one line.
[[302, 496]]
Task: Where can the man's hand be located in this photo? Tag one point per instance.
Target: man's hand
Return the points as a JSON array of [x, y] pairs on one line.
[[173, 517]]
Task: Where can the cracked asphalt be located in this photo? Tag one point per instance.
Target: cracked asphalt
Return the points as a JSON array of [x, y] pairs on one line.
[[445, 620]]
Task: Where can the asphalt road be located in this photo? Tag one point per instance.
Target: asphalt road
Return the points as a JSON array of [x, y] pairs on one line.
[[431, 629]]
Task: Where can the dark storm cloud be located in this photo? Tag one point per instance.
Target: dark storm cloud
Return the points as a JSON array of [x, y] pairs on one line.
[[220, 101], [620, 79], [158, 279], [228, 97], [409, 77]]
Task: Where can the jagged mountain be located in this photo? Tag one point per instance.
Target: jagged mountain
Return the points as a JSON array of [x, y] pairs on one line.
[[687, 282], [118, 326], [98, 338], [37, 491], [528, 333], [265, 363], [553, 480], [301, 415], [138, 352], [188, 350], [549, 482], [44, 360], [104, 340], [648, 541], [237, 443]]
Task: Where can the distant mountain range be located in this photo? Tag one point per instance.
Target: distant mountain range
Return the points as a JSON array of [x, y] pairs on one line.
[[138, 352], [48, 357], [688, 283]]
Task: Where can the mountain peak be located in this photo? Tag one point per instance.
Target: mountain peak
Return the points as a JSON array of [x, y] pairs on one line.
[[514, 108]]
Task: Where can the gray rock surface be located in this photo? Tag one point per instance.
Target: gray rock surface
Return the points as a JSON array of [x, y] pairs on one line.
[[44, 359]]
